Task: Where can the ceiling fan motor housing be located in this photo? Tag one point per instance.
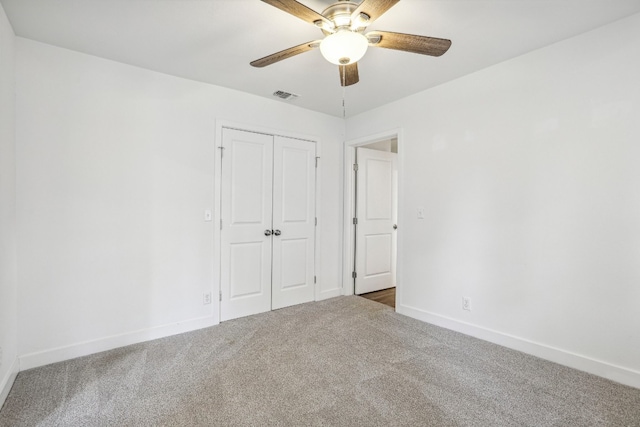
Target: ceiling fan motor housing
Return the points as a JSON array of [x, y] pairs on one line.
[[340, 14]]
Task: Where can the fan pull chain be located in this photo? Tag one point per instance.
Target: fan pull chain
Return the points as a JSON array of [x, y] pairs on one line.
[[344, 91]]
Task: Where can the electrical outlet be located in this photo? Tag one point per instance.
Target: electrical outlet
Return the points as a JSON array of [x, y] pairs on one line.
[[466, 303], [420, 213], [206, 298]]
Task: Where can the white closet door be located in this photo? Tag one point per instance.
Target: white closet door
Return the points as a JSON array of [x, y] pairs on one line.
[[375, 236], [293, 222], [246, 206]]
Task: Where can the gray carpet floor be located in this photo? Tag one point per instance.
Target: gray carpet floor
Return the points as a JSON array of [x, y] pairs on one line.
[[346, 361]]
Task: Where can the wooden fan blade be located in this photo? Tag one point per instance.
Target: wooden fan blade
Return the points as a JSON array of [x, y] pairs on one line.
[[299, 10], [373, 8], [284, 54], [349, 74], [409, 43]]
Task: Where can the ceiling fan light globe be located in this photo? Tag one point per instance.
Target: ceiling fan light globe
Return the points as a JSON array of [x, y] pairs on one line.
[[344, 47]]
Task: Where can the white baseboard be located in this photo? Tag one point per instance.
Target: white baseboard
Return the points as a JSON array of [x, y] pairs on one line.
[[46, 357], [597, 367], [7, 381], [332, 293]]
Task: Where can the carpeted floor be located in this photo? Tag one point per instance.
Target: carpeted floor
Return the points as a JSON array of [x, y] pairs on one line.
[[345, 361]]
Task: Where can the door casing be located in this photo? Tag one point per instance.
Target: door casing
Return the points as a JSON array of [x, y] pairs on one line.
[[349, 208]]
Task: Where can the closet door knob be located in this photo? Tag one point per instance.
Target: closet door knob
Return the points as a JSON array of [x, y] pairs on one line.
[[267, 232], [277, 232]]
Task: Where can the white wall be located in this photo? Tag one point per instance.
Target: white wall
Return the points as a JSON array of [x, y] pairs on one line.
[[8, 284], [115, 167], [529, 173]]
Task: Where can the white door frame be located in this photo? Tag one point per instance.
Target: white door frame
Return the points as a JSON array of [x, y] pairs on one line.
[[349, 212], [217, 250]]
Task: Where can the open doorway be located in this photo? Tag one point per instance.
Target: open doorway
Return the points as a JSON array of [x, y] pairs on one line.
[[371, 218]]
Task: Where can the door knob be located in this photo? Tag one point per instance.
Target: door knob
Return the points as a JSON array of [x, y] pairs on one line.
[[277, 232], [267, 232], [395, 227]]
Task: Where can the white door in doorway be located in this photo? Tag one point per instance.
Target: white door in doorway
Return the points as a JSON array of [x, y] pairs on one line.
[[376, 213], [268, 223]]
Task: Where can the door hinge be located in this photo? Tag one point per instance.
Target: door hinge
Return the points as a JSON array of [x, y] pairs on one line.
[[355, 167], [220, 224], [317, 161], [314, 280], [316, 221], [354, 275], [355, 221], [221, 148], [220, 295]]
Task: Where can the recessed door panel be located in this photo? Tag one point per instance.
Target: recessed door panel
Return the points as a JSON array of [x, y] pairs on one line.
[[248, 163], [295, 184], [377, 248], [247, 282], [294, 265], [378, 181]]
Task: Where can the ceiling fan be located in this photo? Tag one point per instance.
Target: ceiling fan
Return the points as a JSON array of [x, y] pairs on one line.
[[345, 42]]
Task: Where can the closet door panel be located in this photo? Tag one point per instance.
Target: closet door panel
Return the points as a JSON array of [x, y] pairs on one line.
[[246, 213], [293, 222]]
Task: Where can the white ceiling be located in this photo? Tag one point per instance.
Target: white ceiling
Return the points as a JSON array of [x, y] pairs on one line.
[[213, 41]]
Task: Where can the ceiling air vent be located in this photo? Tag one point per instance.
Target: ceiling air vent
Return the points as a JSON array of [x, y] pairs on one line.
[[285, 95]]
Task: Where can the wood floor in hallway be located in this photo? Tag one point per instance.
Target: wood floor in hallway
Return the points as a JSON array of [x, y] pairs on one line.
[[385, 296]]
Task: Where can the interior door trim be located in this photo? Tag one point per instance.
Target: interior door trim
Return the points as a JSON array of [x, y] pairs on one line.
[[348, 282]]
